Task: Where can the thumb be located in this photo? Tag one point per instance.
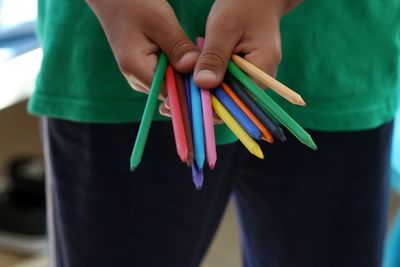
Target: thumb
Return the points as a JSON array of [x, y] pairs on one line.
[[170, 37], [217, 49]]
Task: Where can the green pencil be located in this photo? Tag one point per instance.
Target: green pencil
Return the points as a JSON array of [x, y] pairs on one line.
[[271, 107], [149, 110]]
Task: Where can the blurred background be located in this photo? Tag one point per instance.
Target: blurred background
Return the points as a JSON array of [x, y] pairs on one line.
[[22, 204]]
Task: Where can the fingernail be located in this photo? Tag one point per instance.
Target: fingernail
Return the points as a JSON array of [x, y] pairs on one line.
[[206, 75]]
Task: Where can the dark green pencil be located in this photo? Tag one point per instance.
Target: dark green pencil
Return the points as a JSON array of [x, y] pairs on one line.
[[149, 110], [273, 108]]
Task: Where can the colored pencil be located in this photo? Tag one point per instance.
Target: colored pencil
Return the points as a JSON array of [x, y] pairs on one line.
[[197, 174], [185, 117], [240, 133], [251, 104], [209, 133], [198, 177], [176, 114], [237, 113], [266, 134], [197, 124], [268, 81], [270, 106], [188, 96], [208, 119], [148, 113]]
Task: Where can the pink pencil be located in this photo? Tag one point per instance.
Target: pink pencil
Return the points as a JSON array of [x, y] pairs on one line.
[[176, 114], [211, 152]]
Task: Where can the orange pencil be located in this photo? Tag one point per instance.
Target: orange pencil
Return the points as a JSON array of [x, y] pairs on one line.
[[185, 116], [264, 131], [176, 114]]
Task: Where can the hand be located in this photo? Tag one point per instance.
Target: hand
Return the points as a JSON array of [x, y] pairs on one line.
[[137, 30], [246, 27]]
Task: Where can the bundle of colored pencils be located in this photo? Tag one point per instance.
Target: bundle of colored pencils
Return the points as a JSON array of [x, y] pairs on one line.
[[239, 102]]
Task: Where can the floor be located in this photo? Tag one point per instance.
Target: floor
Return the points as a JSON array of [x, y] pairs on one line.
[[19, 135]]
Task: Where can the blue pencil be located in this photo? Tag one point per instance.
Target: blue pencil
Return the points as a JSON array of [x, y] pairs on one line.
[[237, 113], [198, 176], [197, 124]]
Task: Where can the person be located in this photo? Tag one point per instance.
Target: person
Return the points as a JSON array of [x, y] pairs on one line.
[[296, 208]]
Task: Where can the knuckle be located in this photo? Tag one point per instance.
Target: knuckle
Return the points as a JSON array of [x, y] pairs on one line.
[[212, 59], [179, 48]]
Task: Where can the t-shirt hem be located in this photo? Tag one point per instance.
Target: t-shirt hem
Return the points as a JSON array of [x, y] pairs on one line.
[[111, 112]]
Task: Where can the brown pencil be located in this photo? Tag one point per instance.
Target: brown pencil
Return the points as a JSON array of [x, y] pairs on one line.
[[185, 117]]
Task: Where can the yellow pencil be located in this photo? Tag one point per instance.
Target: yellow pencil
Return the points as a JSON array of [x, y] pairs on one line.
[[235, 127], [268, 81]]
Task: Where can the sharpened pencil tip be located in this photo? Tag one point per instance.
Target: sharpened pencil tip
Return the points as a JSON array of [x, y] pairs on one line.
[[256, 134], [268, 138], [200, 161], [198, 181], [211, 165], [312, 145], [256, 151], [299, 101]]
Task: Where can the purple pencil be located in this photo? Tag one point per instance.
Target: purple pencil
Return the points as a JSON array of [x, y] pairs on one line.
[[198, 176]]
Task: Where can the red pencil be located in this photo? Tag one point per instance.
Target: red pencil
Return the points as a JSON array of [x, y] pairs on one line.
[[176, 114]]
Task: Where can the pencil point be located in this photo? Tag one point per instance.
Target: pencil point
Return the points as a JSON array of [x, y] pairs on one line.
[[257, 152], [200, 161], [198, 182], [211, 165], [183, 154], [268, 139], [312, 145], [280, 135], [197, 176], [256, 134]]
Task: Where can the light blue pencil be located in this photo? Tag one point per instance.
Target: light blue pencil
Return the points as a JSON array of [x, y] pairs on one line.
[[197, 124], [237, 113]]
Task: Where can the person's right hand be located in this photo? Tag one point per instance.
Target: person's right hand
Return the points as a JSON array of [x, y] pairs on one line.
[[137, 30]]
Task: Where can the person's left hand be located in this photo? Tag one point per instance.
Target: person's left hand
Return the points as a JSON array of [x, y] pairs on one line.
[[246, 27]]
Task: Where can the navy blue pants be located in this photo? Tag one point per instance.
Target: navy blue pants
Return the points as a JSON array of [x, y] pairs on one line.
[[296, 208]]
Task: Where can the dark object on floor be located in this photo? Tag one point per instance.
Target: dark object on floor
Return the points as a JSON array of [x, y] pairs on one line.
[[22, 207]]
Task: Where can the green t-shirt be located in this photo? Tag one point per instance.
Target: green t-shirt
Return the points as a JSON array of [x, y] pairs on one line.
[[341, 56]]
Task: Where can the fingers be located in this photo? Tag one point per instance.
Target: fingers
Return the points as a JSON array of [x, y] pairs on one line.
[[262, 48], [219, 43], [164, 110], [267, 58], [170, 37]]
